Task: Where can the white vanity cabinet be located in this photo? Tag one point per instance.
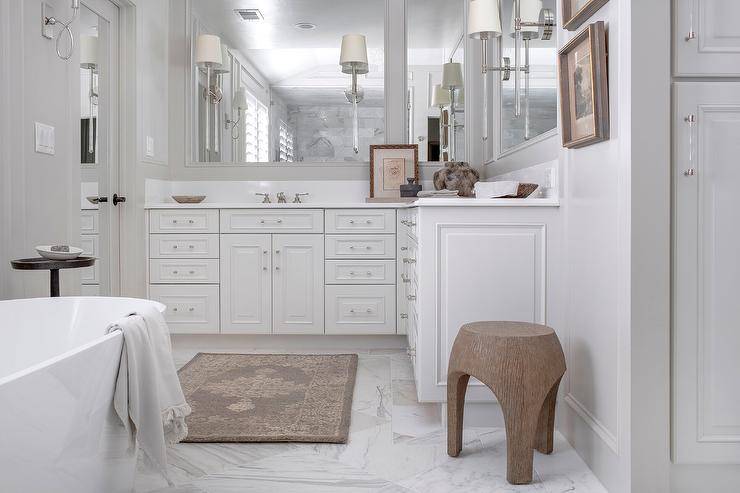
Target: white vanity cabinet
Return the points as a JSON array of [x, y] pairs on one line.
[[183, 268], [460, 264]]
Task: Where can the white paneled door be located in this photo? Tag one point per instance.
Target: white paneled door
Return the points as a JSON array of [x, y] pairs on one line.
[[706, 270], [246, 284], [298, 283], [706, 37]]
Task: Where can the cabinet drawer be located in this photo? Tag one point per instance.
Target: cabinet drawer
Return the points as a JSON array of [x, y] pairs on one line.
[[360, 310], [360, 271], [359, 246], [183, 221], [271, 220], [182, 271], [190, 309], [360, 221], [89, 222], [183, 246]]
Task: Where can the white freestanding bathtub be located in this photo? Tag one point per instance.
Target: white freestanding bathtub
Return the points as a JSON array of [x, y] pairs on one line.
[[58, 430]]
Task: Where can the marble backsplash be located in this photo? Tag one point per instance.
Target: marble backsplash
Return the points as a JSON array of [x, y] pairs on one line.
[[324, 133]]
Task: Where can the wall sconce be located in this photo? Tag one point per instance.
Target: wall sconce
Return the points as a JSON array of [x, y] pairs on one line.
[[209, 55], [353, 60], [47, 21], [530, 13], [240, 105], [452, 81], [89, 61], [529, 21]]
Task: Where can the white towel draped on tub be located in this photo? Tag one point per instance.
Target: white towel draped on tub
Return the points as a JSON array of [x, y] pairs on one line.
[[148, 397]]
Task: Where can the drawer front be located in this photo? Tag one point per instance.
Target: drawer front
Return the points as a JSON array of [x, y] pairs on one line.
[[360, 310], [90, 245], [360, 221], [183, 221], [89, 222], [360, 271], [272, 221], [360, 246], [190, 309], [183, 246], [182, 271]]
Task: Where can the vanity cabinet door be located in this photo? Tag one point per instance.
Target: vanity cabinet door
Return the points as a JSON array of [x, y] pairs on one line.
[[706, 39], [246, 284], [298, 284]]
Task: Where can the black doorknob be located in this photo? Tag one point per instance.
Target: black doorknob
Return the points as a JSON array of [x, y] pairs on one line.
[[118, 199]]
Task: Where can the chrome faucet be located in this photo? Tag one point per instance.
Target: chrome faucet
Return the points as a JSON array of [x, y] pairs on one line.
[[266, 196], [281, 198], [297, 199]]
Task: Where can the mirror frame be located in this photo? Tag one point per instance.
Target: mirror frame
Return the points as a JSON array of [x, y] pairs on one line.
[[393, 112]]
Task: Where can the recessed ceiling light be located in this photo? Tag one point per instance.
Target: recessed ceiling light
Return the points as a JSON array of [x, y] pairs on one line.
[[306, 26]]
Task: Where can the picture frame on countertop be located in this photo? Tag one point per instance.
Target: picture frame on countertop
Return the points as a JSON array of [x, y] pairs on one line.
[[584, 88], [576, 12], [390, 167]]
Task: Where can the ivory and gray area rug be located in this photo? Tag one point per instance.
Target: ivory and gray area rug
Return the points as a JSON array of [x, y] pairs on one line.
[[269, 397]]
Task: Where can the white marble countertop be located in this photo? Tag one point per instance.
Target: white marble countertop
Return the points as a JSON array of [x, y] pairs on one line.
[[425, 202]]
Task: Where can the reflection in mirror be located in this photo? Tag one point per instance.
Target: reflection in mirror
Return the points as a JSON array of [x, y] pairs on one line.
[[539, 85], [277, 92], [436, 109], [89, 93]]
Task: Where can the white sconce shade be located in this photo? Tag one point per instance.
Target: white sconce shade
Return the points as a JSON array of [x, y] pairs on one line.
[[88, 52], [240, 99], [529, 11], [484, 19], [440, 96], [452, 76], [208, 50], [354, 54], [225, 66]]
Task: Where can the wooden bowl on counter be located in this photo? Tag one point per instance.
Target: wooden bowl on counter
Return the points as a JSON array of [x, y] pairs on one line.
[[188, 199]]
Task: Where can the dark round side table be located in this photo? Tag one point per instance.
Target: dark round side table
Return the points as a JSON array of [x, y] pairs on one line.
[[53, 266]]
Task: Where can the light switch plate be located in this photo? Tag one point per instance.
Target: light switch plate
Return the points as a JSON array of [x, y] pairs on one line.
[[149, 147], [45, 141]]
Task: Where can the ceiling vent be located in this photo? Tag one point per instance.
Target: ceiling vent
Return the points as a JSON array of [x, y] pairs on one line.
[[250, 14]]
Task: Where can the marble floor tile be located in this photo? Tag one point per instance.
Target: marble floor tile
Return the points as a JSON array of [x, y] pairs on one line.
[[395, 445]]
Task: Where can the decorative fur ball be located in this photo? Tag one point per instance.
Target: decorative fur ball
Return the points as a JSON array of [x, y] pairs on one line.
[[457, 176]]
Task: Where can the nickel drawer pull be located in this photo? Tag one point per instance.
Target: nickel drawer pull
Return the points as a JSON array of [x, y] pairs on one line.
[[411, 297], [404, 316], [405, 278], [191, 221]]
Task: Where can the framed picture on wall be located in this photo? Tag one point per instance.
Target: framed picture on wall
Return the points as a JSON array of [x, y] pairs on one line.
[[390, 167], [584, 90], [576, 12]]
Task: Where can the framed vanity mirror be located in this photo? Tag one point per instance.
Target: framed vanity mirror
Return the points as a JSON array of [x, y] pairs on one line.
[[435, 118], [537, 115], [274, 91]]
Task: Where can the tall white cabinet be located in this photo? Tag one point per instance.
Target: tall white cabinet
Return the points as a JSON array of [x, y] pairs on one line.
[[706, 321]]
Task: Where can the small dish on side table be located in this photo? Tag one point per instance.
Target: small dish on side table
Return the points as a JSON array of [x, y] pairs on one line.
[[59, 252]]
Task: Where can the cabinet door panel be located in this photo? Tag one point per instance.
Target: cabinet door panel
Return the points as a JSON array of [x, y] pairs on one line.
[[298, 284], [706, 407], [246, 284], [714, 46]]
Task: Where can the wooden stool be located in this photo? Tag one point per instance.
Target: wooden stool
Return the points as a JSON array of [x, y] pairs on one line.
[[522, 364]]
